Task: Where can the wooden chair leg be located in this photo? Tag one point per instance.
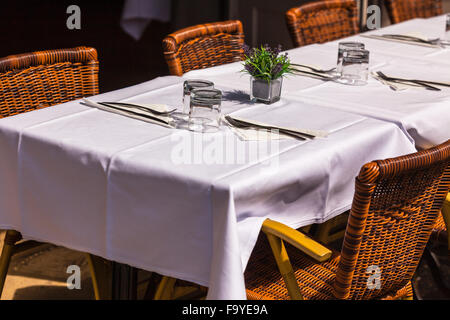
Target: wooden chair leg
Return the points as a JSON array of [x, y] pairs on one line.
[[11, 238], [101, 274], [165, 288], [285, 267]]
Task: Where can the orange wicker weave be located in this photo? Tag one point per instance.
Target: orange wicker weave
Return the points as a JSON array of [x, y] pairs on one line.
[[44, 78], [401, 10], [395, 207], [322, 21], [203, 46]]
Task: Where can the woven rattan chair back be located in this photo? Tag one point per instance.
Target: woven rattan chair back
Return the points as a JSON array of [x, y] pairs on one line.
[[44, 78], [322, 21], [204, 46], [394, 210], [401, 10]]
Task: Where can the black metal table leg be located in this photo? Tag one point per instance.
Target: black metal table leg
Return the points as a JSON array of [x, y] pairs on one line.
[[124, 282]]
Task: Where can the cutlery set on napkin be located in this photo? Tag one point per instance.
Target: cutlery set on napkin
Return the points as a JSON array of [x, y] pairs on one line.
[[153, 113], [394, 83], [410, 39], [397, 84], [244, 128]]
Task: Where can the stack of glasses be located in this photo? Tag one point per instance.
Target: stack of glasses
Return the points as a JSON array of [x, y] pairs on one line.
[[201, 106], [352, 64]]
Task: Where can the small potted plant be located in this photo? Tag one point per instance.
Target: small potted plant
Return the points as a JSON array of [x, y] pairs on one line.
[[266, 66]]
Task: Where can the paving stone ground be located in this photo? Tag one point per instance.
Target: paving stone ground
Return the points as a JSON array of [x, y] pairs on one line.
[[41, 274]]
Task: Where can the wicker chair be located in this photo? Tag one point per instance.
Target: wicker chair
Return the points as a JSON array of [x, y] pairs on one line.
[[401, 10], [322, 21], [44, 78], [203, 46], [41, 79], [395, 207]]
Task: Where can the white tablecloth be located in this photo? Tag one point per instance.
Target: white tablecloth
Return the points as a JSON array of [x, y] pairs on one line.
[[169, 200]]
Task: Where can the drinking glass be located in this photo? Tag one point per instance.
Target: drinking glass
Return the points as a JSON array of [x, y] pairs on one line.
[[204, 110], [346, 46], [190, 85], [447, 27], [355, 67]]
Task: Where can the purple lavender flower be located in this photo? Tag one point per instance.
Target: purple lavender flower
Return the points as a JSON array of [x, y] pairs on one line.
[[270, 50], [248, 51], [276, 69], [276, 51], [250, 69]]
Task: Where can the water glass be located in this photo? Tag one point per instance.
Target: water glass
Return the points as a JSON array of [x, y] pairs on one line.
[[190, 85], [447, 27], [204, 110], [346, 46], [355, 67]]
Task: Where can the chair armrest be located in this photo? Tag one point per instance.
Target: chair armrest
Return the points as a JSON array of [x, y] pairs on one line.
[[302, 242]]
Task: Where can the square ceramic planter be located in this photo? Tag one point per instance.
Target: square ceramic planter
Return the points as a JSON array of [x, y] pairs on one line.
[[265, 91]]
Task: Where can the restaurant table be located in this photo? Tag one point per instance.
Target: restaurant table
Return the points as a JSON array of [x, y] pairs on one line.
[[121, 189], [172, 201]]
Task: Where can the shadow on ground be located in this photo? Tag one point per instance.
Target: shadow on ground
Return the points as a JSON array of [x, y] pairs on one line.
[[36, 292]]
